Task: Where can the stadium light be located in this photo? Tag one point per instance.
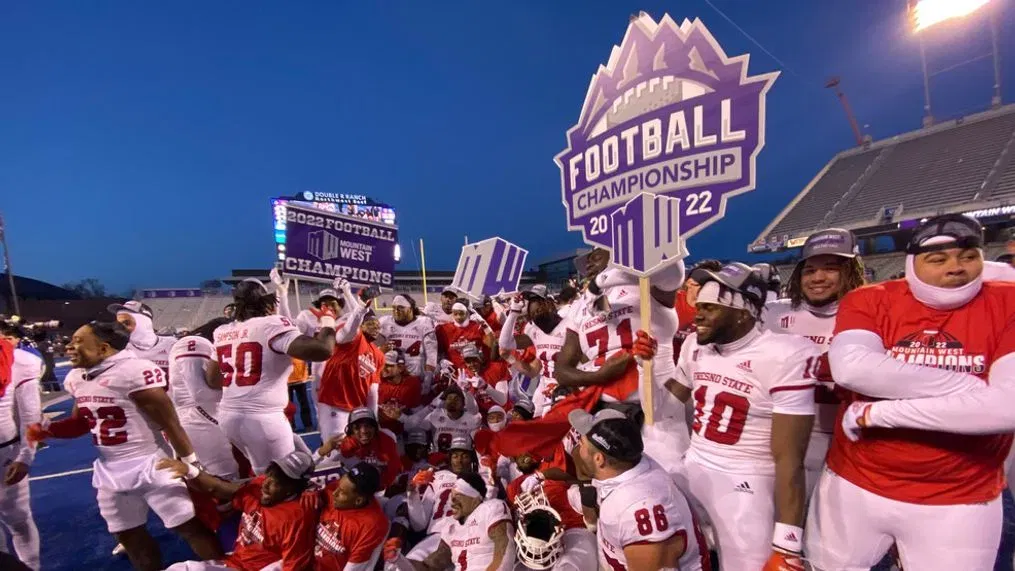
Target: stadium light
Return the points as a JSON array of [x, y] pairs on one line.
[[927, 13]]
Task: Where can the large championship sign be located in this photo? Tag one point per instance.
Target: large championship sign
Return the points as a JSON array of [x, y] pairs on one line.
[[669, 131], [321, 246]]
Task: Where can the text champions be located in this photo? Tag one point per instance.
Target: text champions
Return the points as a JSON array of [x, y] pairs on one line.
[[658, 154], [334, 270]]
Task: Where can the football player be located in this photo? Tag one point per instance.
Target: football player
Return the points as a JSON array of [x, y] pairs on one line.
[[364, 441], [196, 399], [399, 392], [122, 401], [478, 535], [645, 523], [253, 356], [19, 408], [464, 330], [452, 419], [544, 331], [753, 393], [934, 349], [828, 269], [144, 342], [352, 528], [414, 335], [277, 524]]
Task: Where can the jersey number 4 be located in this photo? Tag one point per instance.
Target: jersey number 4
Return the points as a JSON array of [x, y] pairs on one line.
[[246, 369], [725, 424]]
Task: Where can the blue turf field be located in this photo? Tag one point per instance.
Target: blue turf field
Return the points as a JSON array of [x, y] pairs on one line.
[[74, 536]]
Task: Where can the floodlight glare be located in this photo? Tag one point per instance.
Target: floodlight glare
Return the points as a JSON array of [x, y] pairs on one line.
[[926, 13]]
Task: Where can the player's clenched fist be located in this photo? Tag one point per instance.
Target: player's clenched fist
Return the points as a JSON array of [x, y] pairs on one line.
[[855, 419], [423, 478], [35, 433], [645, 346], [392, 549], [780, 561]]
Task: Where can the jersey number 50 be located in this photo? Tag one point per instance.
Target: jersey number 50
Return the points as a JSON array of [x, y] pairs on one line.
[[246, 368]]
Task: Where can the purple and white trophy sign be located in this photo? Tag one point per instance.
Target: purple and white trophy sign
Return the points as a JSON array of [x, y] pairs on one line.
[[669, 115], [490, 267]]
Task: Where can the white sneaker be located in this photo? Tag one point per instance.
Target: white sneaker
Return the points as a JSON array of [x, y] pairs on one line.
[[119, 550]]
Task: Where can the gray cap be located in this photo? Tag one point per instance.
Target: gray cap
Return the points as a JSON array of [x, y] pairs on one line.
[[736, 276], [327, 293], [417, 437], [537, 290], [470, 352], [461, 443], [362, 413], [131, 306], [297, 464], [621, 441], [831, 241]]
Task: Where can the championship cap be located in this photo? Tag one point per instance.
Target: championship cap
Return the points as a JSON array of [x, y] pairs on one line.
[[366, 478], [736, 276], [417, 437], [361, 413], [131, 306], [449, 290], [611, 431], [394, 357], [535, 291], [944, 232], [296, 464], [831, 241], [328, 292], [470, 352], [461, 443]]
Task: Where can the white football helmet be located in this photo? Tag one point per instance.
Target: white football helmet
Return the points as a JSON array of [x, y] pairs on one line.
[[539, 530]]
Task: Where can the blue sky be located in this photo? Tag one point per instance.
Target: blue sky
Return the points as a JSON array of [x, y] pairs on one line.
[[142, 141]]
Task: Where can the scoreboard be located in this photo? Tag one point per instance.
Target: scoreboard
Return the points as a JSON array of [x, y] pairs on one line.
[[355, 205]]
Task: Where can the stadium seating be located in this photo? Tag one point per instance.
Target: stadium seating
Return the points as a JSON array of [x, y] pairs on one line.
[[942, 169]]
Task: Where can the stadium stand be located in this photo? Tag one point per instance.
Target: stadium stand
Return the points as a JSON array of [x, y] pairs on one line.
[[956, 166]]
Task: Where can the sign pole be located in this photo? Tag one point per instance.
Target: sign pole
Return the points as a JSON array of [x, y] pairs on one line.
[[422, 263], [647, 386]]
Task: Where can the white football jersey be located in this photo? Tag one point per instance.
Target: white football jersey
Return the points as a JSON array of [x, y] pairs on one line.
[[603, 334], [737, 388], [470, 543], [547, 346], [445, 429], [644, 505], [437, 497], [102, 396], [410, 338], [19, 405], [187, 361], [157, 353], [254, 364], [780, 317]]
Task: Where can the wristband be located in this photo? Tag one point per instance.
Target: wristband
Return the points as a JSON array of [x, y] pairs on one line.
[[189, 458], [788, 537], [192, 472]]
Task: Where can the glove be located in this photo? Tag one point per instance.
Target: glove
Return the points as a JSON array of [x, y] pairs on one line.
[[325, 317], [645, 346], [276, 278], [36, 433], [517, 304], [392, 549], [423, 478], [349, 446], [526, 356], [447, 368], [532, 482], [784, 561], [341, 285], [855, 419]]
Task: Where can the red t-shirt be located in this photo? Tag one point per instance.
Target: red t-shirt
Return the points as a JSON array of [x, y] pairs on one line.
[[382, 453], [408, 395], [451, 338], [266, 534], [348, 374], [920, 466], [556, 493], [348, 536], [6, 364]]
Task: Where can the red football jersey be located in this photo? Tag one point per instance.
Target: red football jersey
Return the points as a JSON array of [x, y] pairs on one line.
[[348, 374], [556, 493], [382, 453], [919, 466], [349, 535], [408, 395], [451, 338], [266, 534]]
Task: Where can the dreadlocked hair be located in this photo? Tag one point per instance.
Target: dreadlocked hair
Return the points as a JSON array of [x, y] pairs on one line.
[[850, 270], [253, 300]]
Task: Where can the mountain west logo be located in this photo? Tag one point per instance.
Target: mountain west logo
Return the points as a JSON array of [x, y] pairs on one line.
[[934, 348], [669, 114]]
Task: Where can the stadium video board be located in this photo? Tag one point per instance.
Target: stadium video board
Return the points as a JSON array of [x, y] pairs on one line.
[[354, 205]]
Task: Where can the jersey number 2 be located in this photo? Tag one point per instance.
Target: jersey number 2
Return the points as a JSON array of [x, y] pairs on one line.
[[721, 403], [247, 369]]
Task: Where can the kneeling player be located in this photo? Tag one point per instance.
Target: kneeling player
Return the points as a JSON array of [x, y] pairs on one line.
[[122, 400]]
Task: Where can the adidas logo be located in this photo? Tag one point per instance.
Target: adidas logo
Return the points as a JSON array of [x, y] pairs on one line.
[[792, 537], [744, 487], [745, 366]]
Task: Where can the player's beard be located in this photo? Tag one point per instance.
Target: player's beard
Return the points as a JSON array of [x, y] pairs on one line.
[[545, 321]]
